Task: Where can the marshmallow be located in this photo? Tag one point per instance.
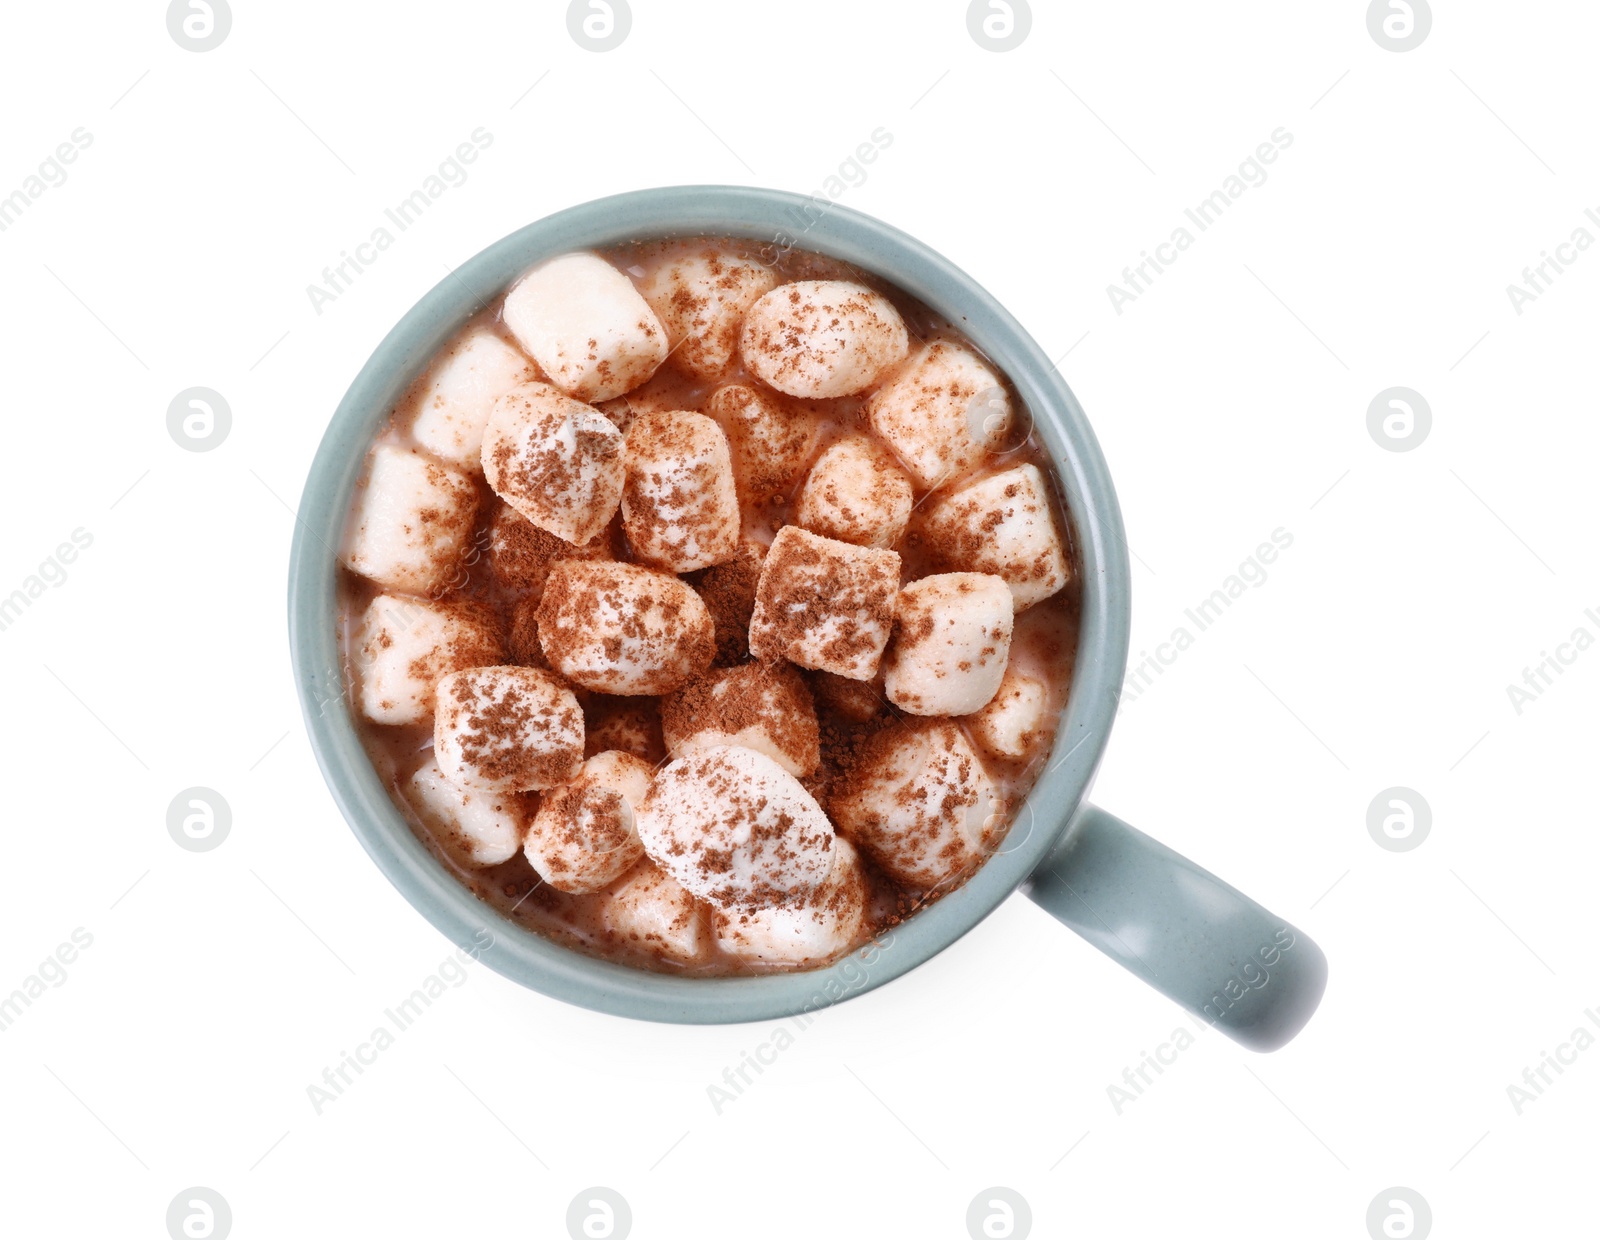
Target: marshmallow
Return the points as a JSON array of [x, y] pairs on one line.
[[507, 729], [520, 553], [1014, 721], [952, 638], [770, 437], [734, 827], [632, 725], [648, 911], [920, 804], [618, 628], [942, 413], [806, 932], [413, 521], [478, 828], [1002, 525], [583, 321], [404, 647], [729, 593], [679, 507], [858, 701], [555, 460], [701, 299], [856, 493], [822, 338], [764, 707], [454, 407], [583, 836], [824, 604]]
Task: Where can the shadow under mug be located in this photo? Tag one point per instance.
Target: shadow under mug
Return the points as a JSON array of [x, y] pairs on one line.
[[1220, 955]]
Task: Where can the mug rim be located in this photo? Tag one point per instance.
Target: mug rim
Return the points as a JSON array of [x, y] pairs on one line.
[[779, 218]]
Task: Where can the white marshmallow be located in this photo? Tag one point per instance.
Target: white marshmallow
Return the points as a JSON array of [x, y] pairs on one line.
[[920, 804], [734, 827], [759, 706], [618, 628], [627, 773], [583, 321], [413, 522], [454, 408], [1001, 524], [824, 604], [479, 828], [648, 911], [583, 836], [701, 300], [555, 460], [679, 506], [822, 338], [952, 639], [1014, 722], [520, 553], [507, 729], [771, 438], [806, 932], [942, 413], [856, 493], [404, 647]]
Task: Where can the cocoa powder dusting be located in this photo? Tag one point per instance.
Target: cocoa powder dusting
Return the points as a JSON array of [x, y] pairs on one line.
[[729, 593], [772, 699]]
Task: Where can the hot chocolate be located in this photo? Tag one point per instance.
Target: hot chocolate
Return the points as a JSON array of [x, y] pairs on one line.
[[708, 613]]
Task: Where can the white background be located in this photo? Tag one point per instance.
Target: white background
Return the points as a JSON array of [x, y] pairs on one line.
[[1230, 399]]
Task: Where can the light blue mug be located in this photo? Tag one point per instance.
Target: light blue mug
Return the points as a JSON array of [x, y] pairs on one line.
[[1220, 955]]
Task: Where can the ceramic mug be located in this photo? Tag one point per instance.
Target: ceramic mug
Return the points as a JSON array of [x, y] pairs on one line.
[[1220, 955]]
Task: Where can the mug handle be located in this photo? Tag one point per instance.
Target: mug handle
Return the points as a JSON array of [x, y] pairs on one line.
[[1183, 930]]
